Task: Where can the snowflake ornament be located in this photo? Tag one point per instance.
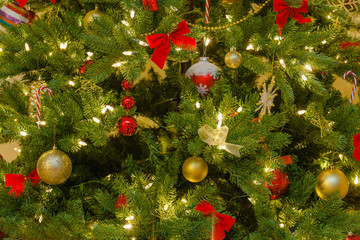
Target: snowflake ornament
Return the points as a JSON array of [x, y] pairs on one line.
[[202, 89], [267, 99]]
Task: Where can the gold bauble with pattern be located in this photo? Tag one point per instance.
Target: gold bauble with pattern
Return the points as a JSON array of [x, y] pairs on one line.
[[233, 58], [195, 169], [332, 181], [54, 167]]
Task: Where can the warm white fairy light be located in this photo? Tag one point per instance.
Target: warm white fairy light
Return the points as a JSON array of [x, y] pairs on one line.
[[328, 16], [149, 185], [90, 54], [129, 218], [166, 207], [219, 117], [282, 63], [207, 41], [125, 23], [184, 200], [133, 238], [117, 64], [228, 17], [197, 105], [250, 47], [127, 226], [301, 112], [40, 218], [26, 93], [41, 123], [341, 156], [107, 107], [96, 120], [267, 169], [323, 42], [308, 67], [27, 48], [281, 225], [63, 45], [178, 49], [82, 143], [71, 83], [127, 53], [50, 54], [303, 77], [23, 133], [239, 110], [49, 190], [356, 180], [132, 13], [142, 43], [256, 182], [1, 49], [252, 200], [17, 149]]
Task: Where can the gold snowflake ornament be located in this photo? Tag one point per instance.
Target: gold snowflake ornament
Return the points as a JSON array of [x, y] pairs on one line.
[[267, 99]]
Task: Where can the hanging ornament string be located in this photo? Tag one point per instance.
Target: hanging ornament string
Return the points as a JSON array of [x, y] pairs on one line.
[[38, 93], [354, 85], [207, 11], [216, 27]]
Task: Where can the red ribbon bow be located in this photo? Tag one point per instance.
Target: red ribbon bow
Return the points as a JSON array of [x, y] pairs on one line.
[[151, 5], [161, 43], [17, 182], [223, 223], [285, 10], [356, 144], [121, 202], [345, 45], [23, 2]]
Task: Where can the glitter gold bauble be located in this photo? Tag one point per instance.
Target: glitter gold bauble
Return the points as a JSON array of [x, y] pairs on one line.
[[233, 58], [332, 181], [195, 169], [230, 1], [90, 16], [54, 167]]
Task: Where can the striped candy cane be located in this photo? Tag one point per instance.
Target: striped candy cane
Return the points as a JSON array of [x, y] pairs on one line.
[[207, 11], [38, 93], [354, 86]]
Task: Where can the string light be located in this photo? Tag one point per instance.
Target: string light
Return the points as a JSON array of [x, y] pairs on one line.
[[50, 54], [129, 218], [90, 54], [341, 156], [26, 93], [197, 105], [323, 42], [125, 23], [118, 64], [308, 67], [23, 133], [127, 226], [250, 47], [142, 43], [282, 63], [166, 207], [1, 49], [41, 122], [132, 13], [207, 41], [356, 180], [96, 120], [71, 83], [184, 200], [301, 112], [228, 17], [107, 107], [281, 225], [267, 169], [63, 45], [82, 143], [303, 77], [40, 218], [178, 49], [220, 117], [49, 190], [17, 149], [127, 53], [277, 38], [27, 48], [252, 200], [149, 185], [239, 109]]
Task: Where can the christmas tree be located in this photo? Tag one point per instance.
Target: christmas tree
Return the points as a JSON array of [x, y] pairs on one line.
[[166, 119]]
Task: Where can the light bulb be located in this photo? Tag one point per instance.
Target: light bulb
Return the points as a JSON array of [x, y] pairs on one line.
[[166, 207], [301, 112], [82, 143], [356, 180], [71, 83], [129, 218], [197, 105], [23, 133], [96, 120], [27, 48], [125, 23], [281, 225], [228, 17], [127, 53], [323, 42], [127, 226], [303, 77], [308, 67], [142, 43], [117, 64], [132, 13], [250, 47], [207, 41], [63, 45], [239, 109], [282, 63], [149, 185], [90, 54], [184, 200]]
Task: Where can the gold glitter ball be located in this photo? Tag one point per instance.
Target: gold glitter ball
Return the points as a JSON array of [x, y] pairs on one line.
[[233, 58]]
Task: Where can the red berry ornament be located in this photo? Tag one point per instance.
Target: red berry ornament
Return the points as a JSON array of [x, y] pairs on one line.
[[353, 237], [203, 74], [87, 64], [128, 102], [279, 183], [126, 85], [127, 125]]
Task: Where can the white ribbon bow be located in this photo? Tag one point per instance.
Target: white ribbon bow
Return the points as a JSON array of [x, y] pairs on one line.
[[217, 137]]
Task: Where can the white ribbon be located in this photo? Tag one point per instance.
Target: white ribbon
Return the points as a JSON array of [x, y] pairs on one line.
[[217, 137]]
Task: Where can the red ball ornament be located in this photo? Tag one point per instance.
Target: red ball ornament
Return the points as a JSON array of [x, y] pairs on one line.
[[279, 184], [128, 102], [353, 237], [126, 85], [87, 64], [203, 74], [127, 125], [2, 235]]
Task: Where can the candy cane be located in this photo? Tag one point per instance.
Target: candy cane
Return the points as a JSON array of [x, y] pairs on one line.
[[354, 86], [207, 11], [38, 93]]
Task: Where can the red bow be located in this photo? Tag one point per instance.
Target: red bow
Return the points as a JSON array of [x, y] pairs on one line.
[[345, 45], [356, 144], [23, 2], [223, 223], [151, 5], [161, 43], [121, 201], [285, 10], [17, 182]]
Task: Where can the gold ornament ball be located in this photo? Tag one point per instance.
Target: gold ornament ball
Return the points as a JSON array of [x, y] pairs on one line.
[[230, 1], [54, 167], [195, 169], [331, 181], [233, 58], [90, 16]]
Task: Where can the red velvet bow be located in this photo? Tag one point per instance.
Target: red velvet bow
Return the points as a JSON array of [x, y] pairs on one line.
[[23, 2], [151, 5], [223, 223], [121, 201], [285, 10], [356, 144], [17, 182], [345, 45], [161, 43]]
